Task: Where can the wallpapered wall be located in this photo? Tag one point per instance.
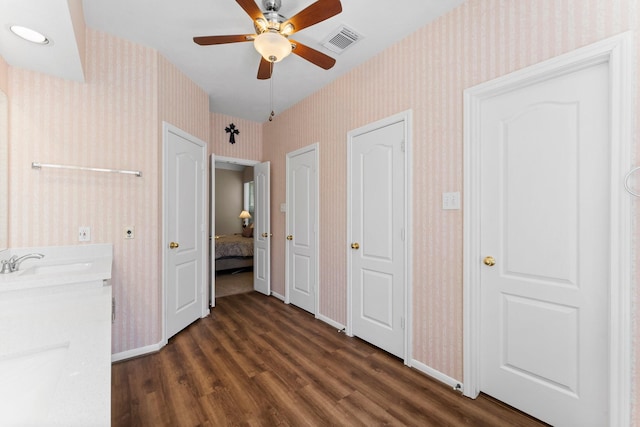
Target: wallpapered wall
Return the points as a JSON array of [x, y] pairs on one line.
[[4, 75], [427, 72], [229, 201], [248, 144], [114, 121]]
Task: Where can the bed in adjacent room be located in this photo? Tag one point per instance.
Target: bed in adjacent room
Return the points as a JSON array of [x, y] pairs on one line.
[[233, 251]]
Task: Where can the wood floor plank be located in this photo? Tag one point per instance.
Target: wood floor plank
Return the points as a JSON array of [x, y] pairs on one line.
[[258, 362], [367, 413]]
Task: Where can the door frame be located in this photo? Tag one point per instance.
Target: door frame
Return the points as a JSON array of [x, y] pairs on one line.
[[287, 280], [168, 128], [406, 117], [212, 214], [618, 54]]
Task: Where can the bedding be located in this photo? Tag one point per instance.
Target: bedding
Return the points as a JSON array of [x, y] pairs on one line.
[[233, 252], [234, 245]]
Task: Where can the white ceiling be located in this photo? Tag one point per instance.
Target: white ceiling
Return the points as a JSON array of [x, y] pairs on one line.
[[53, 18], [226, 72]]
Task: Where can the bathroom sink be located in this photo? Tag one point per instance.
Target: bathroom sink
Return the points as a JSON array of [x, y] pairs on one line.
[[57, 268], [27, 384]]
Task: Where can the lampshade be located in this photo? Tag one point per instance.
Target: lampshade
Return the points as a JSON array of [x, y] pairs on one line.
[[273, 46], [244, 215]]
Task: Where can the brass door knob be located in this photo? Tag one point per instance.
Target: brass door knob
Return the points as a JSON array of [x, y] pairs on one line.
[[490, 261], [355, 245], [173, 245], [267, 234], [289, 237]]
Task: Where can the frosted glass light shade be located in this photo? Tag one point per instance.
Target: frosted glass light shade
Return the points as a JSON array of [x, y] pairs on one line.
[[272, 46]]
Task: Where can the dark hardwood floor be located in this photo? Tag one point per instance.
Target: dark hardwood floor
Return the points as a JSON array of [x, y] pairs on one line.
[[258, 362]]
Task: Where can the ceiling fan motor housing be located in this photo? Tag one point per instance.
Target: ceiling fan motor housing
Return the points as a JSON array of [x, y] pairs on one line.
[[272, 5]]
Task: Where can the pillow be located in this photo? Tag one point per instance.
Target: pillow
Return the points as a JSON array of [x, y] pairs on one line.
[[247, 232]]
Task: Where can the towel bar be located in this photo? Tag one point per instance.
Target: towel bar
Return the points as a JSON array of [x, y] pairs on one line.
[[37, 165]]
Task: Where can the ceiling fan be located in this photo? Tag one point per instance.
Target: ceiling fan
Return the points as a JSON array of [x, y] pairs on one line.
[[273, 30]]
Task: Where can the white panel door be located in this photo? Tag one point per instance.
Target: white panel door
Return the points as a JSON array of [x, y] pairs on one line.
[[302, 213], [262, 229], [212, 241], [184, 230], [545, 224], [376, 223]]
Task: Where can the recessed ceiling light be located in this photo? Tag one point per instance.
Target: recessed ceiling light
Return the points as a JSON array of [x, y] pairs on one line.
[[29, 34]]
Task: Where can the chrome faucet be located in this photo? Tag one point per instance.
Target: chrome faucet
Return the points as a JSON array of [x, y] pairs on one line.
[[13, 263]]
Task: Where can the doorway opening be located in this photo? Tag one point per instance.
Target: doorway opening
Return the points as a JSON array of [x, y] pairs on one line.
[[232, 214]]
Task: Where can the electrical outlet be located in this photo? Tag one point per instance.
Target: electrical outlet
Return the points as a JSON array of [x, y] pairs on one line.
[[129, 232], [451, 201], [84, 234]]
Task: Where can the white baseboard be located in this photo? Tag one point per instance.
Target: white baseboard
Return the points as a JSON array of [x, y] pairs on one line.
[[280, 297], [427, 370], [331, 322], [136, 352]]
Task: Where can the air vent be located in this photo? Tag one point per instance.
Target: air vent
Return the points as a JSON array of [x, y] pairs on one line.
[[341, 39]]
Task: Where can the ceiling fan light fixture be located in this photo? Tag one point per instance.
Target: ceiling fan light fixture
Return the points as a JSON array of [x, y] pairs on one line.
[[273, 46], [260, 25], [287, 29]]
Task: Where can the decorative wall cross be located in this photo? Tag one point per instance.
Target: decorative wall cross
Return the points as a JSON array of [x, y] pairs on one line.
[[231, 129]]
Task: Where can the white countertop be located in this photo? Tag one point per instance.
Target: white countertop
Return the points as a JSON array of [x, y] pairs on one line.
[[86, 263], [61, 322]]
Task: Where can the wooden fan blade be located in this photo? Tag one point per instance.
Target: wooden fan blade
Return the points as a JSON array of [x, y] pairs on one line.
[[251, 8], [317, 12], [264, 69], [209, 40], [313, 56]]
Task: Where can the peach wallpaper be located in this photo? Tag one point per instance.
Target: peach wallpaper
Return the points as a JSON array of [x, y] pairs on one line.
[[111, 122], [79, 28], [4, 75], [114, 120], [248, 144], [181, 102], [427, 72]]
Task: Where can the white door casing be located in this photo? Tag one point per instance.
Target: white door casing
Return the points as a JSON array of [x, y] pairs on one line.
[[552, 211], [378, 215], [212, 230], [262, 229], [302, 219], [184, 230]]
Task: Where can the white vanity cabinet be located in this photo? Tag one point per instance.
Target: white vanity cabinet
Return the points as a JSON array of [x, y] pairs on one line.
[[55, 345]]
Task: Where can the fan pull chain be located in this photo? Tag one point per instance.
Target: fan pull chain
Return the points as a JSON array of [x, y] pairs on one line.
[[271, 91]]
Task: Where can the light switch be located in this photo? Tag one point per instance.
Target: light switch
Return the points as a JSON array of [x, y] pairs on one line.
[[283, 207]]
